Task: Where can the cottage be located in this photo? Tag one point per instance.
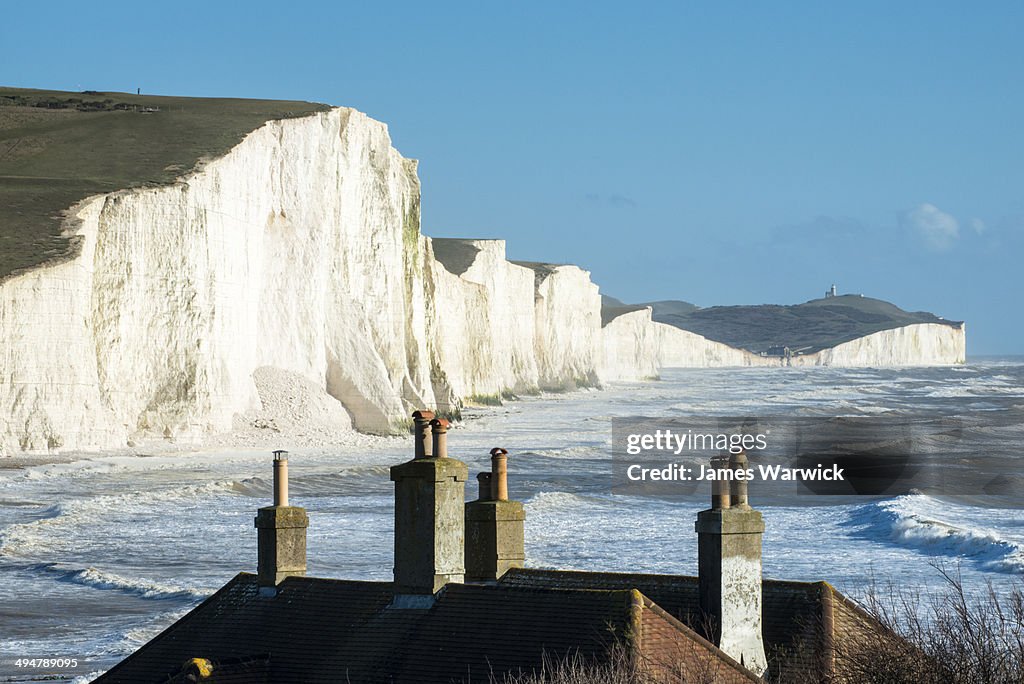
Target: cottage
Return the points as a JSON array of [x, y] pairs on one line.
[[463, 608]]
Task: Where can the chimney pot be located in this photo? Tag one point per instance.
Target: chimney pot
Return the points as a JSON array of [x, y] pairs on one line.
[[280, 478], [439, 426], [421, 426], [485, 486], [739, 497], [720, 490], [499, 474]]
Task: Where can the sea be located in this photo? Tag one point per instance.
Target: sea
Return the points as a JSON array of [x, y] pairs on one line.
[[99, 554]]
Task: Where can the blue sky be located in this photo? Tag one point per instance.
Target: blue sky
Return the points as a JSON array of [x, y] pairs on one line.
[[720, 153]]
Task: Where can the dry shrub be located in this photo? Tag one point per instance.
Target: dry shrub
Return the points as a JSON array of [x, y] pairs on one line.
[[956, 637], [621, 667]]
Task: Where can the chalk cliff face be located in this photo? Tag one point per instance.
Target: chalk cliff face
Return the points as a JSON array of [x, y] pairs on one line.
[[684, 349], [567, 325], [49, 381], [501, 327], [635, 347], [300, 251], [482, 327], [631, 347], [923, 344]]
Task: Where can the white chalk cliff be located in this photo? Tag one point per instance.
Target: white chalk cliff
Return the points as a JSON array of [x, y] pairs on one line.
[[300, 250], [920, 344]]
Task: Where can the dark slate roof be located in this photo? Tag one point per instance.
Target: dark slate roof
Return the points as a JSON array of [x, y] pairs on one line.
[[298, 628], [676, 594], [233, 671], [320, 630], [792, 611]]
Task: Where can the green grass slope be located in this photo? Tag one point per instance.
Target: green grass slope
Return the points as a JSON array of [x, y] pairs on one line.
[[808, 327], [612, 308], [57, 148], [455, 254]]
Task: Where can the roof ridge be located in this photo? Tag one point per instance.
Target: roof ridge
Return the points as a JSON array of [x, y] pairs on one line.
[[300, 579]]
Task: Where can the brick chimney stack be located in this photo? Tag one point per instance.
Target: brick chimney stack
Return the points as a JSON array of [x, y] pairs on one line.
[[494, 526], [429, 522], [281, 533], [729, 562]]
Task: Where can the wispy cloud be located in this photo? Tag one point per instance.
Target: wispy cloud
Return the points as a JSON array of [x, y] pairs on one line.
[[937, 229]]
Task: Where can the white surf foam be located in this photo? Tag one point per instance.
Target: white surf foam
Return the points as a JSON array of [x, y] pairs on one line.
[[142, 587], [931, 527], [41, 536], [575, 451], [554, 502]]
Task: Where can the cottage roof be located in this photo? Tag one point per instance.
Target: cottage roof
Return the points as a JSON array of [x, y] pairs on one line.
[[324, 630]]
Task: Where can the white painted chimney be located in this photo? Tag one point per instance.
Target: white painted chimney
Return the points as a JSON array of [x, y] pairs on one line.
[[729, 561]]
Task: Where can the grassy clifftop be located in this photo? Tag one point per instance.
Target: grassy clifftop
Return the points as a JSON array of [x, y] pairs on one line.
[[57, 148]]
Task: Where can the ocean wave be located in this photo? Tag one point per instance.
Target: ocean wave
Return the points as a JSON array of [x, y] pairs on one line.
[[574, 451], [135, 637], [253, 486], [316, 483], [845, 407], [916, 521], [553, 502], [348, 479], [20, 503], [88, 678], [39, 535], [870, 409], [952, 393], [142, 587], [345, 474], [90, 465], [873, 389]]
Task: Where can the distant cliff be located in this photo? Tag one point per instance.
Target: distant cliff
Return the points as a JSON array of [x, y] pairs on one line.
[[918, 344], [803, 328], [649, 344], [300, 250]]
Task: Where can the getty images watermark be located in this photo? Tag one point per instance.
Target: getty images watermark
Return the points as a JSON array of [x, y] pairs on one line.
[[788, 456], [666, 441]]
